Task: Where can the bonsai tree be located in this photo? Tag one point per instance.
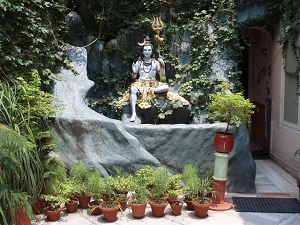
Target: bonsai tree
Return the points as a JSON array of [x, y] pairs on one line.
[[229, 107]]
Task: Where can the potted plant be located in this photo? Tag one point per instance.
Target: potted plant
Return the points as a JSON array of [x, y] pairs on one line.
[[110, 206], [176, 207], [174, 189], [67, 190], [139, 198], [146, 175], [158, 200], [231, 108], [191, 181], [79, 174], [53, 206], [123, 183], [96, 186], [19, 164], [202, 202]]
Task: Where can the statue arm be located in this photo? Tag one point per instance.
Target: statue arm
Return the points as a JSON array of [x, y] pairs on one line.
[[161, 66], [135, 70]]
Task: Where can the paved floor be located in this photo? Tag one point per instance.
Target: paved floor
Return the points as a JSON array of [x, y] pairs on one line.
[[271, 180]]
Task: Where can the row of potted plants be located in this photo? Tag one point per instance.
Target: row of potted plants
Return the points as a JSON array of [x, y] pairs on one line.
[[153, 186]]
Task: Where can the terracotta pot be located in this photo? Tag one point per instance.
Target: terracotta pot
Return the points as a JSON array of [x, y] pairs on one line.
[[53, 215], [201, 209], [37, 207], [176, 207], [72, 205], [110, 213], [223, 142], [94, 208], [84, 201], [138, 210], [123, 205], [173, 199], [158, 207], [22, 217], [189, 203]]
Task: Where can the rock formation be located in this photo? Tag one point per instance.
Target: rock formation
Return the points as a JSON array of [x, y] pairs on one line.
[[99, 142]]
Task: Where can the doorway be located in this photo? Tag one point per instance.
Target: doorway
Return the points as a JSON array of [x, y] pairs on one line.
[[256, 82]]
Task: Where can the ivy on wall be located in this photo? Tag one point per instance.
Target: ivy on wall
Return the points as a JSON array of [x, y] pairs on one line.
[[33, 33], [31, 38], [290, 10], [213, 35]]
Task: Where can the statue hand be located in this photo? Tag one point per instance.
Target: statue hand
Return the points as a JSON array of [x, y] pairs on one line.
[[135, 67], [161, 61]]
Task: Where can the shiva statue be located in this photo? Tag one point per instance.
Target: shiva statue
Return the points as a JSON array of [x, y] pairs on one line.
[[144, 73]]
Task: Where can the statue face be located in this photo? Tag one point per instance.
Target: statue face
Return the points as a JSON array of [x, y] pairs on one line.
[[147, 51]]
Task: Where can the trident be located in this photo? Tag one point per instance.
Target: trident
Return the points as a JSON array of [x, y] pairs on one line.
[[157, 25]]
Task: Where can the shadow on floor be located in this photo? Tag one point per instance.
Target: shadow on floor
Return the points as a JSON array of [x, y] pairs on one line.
[[259, 155]]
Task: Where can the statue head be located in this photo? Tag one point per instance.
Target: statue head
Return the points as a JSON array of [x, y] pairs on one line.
[[145, 45]]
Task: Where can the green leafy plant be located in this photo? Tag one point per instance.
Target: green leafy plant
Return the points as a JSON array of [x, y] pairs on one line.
[[68, 189], [37, 42], [54, 202], [140, 193], [79, 173], [174, 194], [229, 107], [145, 175], [205, 189], [191, 180], [160, 183], [96, 185], [19, 167], [174, 182]]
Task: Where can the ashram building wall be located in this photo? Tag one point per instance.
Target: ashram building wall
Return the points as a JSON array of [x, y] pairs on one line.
[[285, 140]]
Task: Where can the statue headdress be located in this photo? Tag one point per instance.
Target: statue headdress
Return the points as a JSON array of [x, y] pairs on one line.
[[146, 42]]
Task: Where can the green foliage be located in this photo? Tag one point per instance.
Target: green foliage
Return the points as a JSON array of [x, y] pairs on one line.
[[54, 202], [24, 174], [79, 172], [31, 37], [42, 104], [54, 174], [20, 173], [141, 192], [231, 108], [209, 28], [191, 180], [205, 188], [145, 175], [160, 182], [68, 188], [174, 182], [96, 185]]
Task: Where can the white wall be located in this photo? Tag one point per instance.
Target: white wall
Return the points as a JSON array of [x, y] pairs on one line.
[[284, 140]]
